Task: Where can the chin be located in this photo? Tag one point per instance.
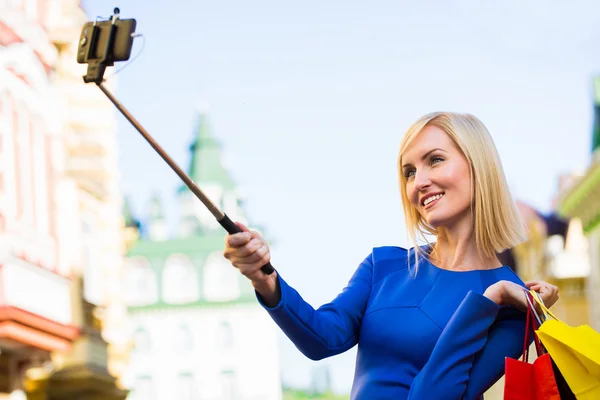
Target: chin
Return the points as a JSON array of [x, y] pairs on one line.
[[438, 219], [433, 220]]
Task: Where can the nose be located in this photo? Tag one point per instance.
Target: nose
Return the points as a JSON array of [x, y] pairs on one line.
[[422, 180]]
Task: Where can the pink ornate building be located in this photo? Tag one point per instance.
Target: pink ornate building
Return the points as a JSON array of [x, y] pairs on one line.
[[59, 206]]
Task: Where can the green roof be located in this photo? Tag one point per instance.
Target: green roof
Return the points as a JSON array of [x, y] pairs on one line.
[[579, 201], [194, 245], [198, 249], [596, 123], [206, 164], [205, 167]]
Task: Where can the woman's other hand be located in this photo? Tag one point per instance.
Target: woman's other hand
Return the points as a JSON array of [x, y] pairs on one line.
[[548, 292], [508, 293]]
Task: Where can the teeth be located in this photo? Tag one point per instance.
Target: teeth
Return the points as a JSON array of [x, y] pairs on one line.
[[432, 198]]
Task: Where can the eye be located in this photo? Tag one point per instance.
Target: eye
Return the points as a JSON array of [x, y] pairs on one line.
[[436, 159], [409, 173]]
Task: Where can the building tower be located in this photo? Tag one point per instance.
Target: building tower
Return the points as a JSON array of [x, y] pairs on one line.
[[198, 329]]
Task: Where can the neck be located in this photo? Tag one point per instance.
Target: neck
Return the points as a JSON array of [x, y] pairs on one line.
[[455, 249]]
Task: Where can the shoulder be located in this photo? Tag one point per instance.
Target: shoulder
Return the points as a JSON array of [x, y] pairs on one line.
[[509, 275], [505, 273], [386, 260]]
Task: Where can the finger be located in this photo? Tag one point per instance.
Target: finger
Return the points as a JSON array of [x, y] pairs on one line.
[[238, 239], [254, 252], [246, 250], [549, 296], [529, 284], [249, 269], [547, 291], [243, 227], [544, 289], [261, 256]]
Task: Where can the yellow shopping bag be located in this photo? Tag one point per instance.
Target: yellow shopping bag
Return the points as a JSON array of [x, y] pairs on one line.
[[576, 352]]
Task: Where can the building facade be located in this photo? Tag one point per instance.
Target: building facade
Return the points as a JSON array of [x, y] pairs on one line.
[[198, 330], [60, 222], [564, 248], [579, 200]]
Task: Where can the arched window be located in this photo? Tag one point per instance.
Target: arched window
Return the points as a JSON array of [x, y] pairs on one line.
[[144, 389], [180, 280], [186, 386], [140, 282], [221, 280], [229, 385], [225, 335], [184, 340], [142, 341]]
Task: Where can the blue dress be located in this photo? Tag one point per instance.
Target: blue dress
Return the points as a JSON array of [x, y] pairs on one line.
[[432, 335]]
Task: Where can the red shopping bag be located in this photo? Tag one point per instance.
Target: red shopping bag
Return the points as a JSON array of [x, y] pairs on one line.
[[525, 381]]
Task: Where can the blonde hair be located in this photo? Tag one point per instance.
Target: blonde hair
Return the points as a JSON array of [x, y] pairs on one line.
[[497, 221]]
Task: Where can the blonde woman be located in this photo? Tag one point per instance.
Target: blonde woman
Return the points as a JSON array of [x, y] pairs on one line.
[[435, 321]]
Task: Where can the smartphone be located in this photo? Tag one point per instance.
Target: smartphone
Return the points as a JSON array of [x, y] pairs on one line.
[[94, 41]]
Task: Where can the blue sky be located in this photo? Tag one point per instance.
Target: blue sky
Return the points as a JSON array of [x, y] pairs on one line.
[[310, 101]]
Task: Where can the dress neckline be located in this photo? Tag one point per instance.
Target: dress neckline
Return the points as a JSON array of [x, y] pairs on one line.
[[427, 249]]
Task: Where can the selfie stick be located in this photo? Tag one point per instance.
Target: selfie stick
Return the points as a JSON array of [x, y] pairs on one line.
[[95, 74]]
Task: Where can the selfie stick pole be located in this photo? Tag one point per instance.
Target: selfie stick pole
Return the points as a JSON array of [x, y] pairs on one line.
[[95, 74]]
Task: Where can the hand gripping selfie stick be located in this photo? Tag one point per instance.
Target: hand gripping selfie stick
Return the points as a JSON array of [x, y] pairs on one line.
[[101, 45]]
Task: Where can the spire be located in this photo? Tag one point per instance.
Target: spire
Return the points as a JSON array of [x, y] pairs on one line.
[[130, 221], [157, 226], [155, 209], [206, 164], [132, 225], [207, 170], [596, 129]]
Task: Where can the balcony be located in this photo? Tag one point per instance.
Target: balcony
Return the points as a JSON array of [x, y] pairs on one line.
[[35, 308], [96, 167], [83, 143]]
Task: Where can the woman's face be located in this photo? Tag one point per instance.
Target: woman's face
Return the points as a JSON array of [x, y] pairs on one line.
[[437, 178]]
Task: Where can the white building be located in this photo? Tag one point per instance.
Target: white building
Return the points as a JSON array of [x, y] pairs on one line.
[[198, 329]]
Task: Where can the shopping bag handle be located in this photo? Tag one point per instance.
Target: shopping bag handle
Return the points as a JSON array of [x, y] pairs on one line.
[[530, 328], [529, 298], [545, 310]]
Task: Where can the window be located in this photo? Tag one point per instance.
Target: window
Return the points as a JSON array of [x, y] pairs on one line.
[[225, 335], [186, 387], [221, 280], [229, 390], [180, 280], [144, 389], [184, 340], [90, 258], [142, 342], [140, 282]]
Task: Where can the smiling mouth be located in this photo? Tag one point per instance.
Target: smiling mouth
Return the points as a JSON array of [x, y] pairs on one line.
[[430, 200]]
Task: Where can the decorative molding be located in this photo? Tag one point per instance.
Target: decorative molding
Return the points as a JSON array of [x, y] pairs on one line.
[[29, 329], [161, 305]]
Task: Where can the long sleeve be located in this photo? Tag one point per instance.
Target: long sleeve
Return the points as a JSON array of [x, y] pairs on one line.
[[332, 328], [469, 355], [505, 339]]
